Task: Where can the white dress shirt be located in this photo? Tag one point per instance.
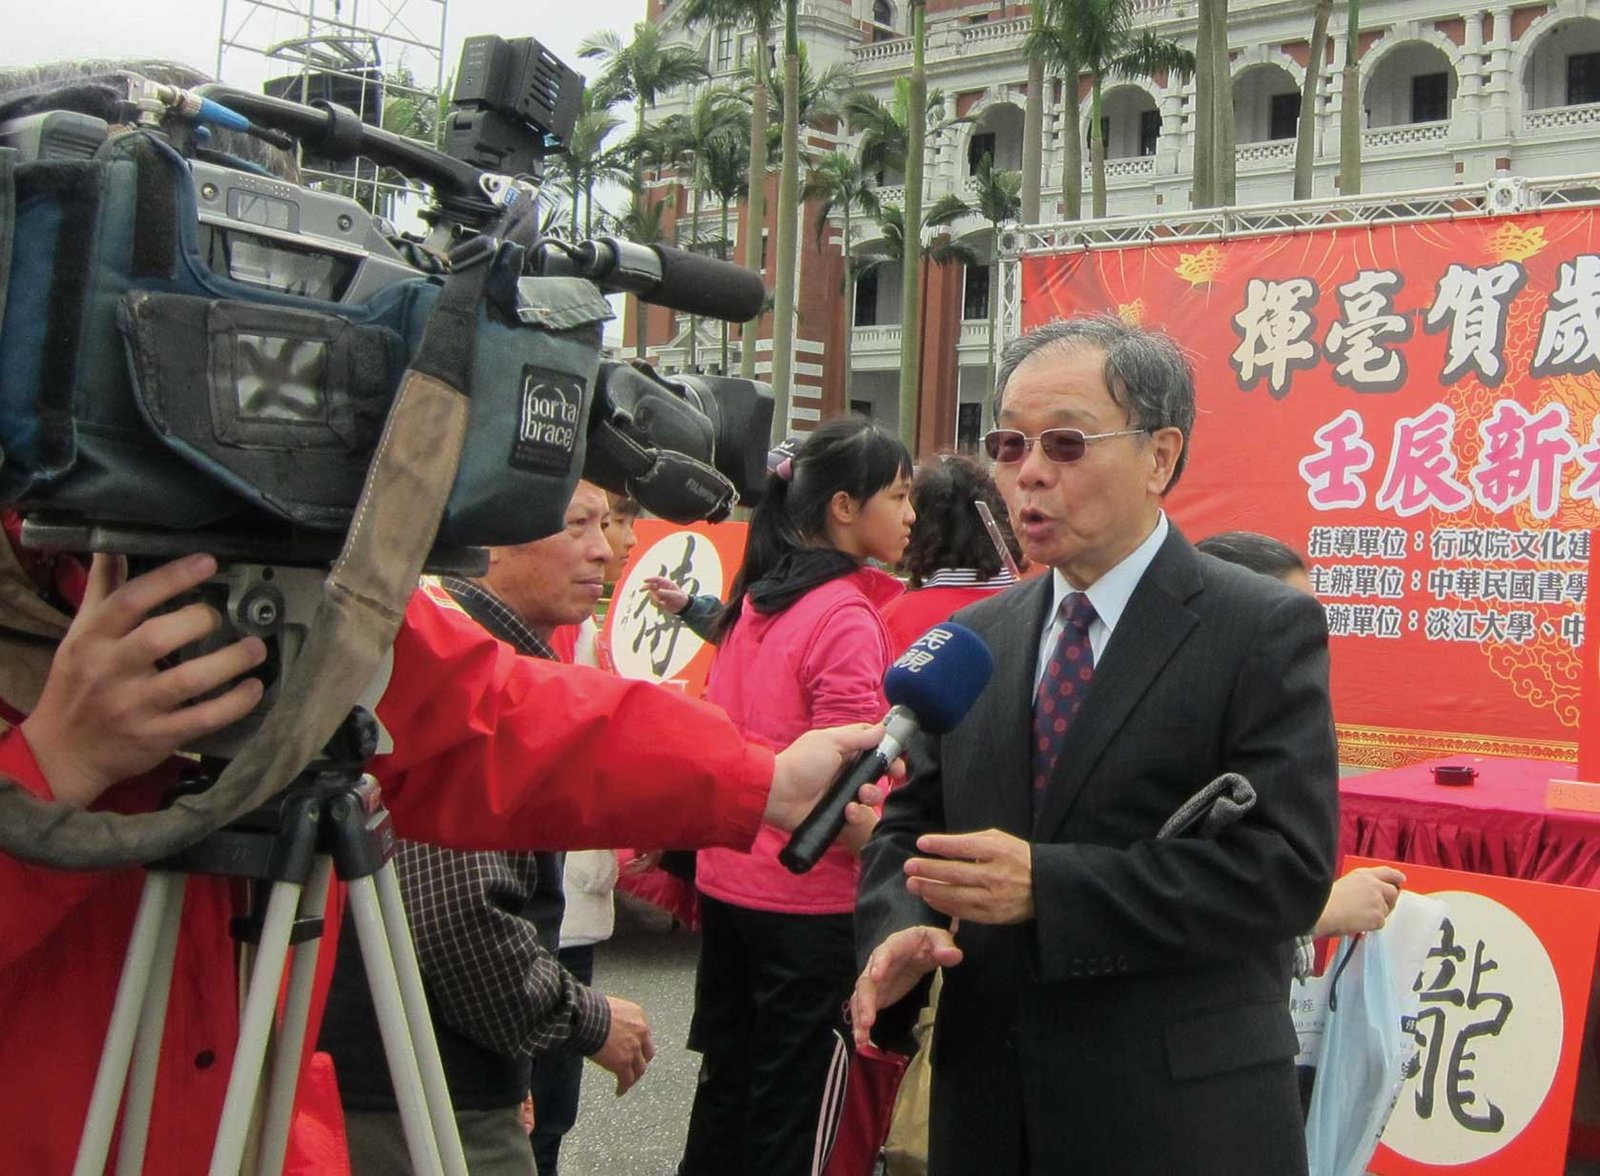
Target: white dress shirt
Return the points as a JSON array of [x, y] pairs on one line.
[[1109, 595]]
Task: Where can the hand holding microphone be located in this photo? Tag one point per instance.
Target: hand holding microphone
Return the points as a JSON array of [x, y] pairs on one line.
[[930, 688]]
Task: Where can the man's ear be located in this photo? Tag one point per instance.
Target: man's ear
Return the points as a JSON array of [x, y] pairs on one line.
[[1166, 445]]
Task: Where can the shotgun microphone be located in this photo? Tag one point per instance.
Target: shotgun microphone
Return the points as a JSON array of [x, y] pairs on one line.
[[930, 688]]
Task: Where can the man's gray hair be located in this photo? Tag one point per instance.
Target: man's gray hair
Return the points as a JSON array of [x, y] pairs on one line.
[[1145, 371]]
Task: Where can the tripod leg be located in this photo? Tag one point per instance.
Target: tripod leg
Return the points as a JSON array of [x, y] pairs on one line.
[[101, 1121], [291, 1039], [255, 1026], [421, 1021], [395, 1025], [147, 1046]]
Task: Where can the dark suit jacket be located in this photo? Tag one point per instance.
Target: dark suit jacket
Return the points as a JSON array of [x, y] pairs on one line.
[[1139, 1023]]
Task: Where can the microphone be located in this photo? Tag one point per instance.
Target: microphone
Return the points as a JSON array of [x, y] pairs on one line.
[[659, 274], [931, 688]]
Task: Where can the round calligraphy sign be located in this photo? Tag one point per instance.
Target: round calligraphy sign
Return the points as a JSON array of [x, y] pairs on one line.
[[1489, 1034], [645, 642]]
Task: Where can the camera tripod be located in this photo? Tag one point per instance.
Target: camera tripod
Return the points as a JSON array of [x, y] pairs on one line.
[[329, 821]]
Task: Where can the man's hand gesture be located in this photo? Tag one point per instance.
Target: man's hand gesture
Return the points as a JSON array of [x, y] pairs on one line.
[[893, 970]]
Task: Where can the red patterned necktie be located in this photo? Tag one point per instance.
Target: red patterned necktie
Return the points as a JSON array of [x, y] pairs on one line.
[[1061, 690]]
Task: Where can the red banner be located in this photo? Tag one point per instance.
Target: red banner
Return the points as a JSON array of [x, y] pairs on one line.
[[1416, 408]]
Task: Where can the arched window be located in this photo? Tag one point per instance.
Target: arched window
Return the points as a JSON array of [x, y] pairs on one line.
[[883, 13]]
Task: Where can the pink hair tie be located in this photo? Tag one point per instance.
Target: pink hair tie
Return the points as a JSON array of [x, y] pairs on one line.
[[785, 469]]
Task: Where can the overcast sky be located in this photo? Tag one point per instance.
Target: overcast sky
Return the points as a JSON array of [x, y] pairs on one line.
[[187, 30]]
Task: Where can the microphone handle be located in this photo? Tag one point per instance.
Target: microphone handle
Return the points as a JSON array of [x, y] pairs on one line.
[[824, 822]]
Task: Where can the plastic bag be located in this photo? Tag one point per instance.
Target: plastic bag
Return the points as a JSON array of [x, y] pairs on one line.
[[1363, 1052]]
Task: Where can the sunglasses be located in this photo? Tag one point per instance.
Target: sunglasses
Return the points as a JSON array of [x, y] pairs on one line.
[[1008, 446]]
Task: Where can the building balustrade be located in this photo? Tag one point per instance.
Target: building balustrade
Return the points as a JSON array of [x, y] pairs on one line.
[[1407, 135], [1271, 151], [879, 338], [1558, 118], [1118, 169]]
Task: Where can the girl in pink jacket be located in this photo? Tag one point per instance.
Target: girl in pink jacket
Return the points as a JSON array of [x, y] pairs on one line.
[[801, 644]]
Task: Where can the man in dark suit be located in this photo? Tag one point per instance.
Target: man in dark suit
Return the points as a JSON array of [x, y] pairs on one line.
[[1113, 1004]]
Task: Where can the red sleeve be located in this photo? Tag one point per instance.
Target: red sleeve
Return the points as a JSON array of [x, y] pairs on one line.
[[35, 900], [497, 751]]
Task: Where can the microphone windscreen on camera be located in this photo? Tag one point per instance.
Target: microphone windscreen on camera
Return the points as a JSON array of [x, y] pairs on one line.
[[694, 284], [940, 676]]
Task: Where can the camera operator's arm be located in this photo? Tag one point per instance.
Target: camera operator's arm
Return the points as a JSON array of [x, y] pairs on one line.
[[562, 757], [109, 711]]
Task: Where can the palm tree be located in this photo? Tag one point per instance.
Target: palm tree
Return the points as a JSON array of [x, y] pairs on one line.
[[890, 139], [1305, 147], [895, 244], [760, 15], [587, 161], [1108, 45], [715, 116], [1055, 43], [882, 128], [639, 71], [1214, 156], [891, 244], [788, 216], [1033, 116], [997, 201], [840, 183], [911, 290], [1350, 106], [724, 171]]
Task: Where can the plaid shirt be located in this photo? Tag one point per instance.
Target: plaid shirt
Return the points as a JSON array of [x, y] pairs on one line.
[[485, 969]]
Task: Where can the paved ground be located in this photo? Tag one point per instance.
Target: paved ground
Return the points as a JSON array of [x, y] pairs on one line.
[[640, 1134]]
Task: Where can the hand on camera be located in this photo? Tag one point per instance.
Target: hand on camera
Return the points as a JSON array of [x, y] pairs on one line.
[[109, 710]]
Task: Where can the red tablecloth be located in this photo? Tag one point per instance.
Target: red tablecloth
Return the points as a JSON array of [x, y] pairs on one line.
[[1496, 825]]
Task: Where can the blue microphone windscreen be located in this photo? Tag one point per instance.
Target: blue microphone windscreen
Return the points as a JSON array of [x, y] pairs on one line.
[[940, 676]]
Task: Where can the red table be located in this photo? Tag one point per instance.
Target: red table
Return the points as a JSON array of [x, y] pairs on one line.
[[1496, 825]]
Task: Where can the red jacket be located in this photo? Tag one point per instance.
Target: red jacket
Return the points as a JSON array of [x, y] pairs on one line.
[[492, 751], [914, 613]]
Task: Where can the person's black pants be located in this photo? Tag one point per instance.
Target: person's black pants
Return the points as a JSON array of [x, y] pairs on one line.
[[769, 992], [558, 1078]]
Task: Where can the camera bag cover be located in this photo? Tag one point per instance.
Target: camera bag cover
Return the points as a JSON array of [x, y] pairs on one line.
[[120, 348]]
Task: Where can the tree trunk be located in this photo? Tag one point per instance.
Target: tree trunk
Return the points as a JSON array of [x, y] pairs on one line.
[[588, 209], [755, 199], [640, 319], [849, 304], [1072, 150], [722, 252], [1205, 112], [911, 289], [694, 320], [788, 214], [1097, 149], [1033, 136], [994, 311], [1350, 107], [1305, 147], [576, 192], [1222, 92]]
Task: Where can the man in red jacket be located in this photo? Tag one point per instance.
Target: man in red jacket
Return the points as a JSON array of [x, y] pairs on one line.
[[484, 732]]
